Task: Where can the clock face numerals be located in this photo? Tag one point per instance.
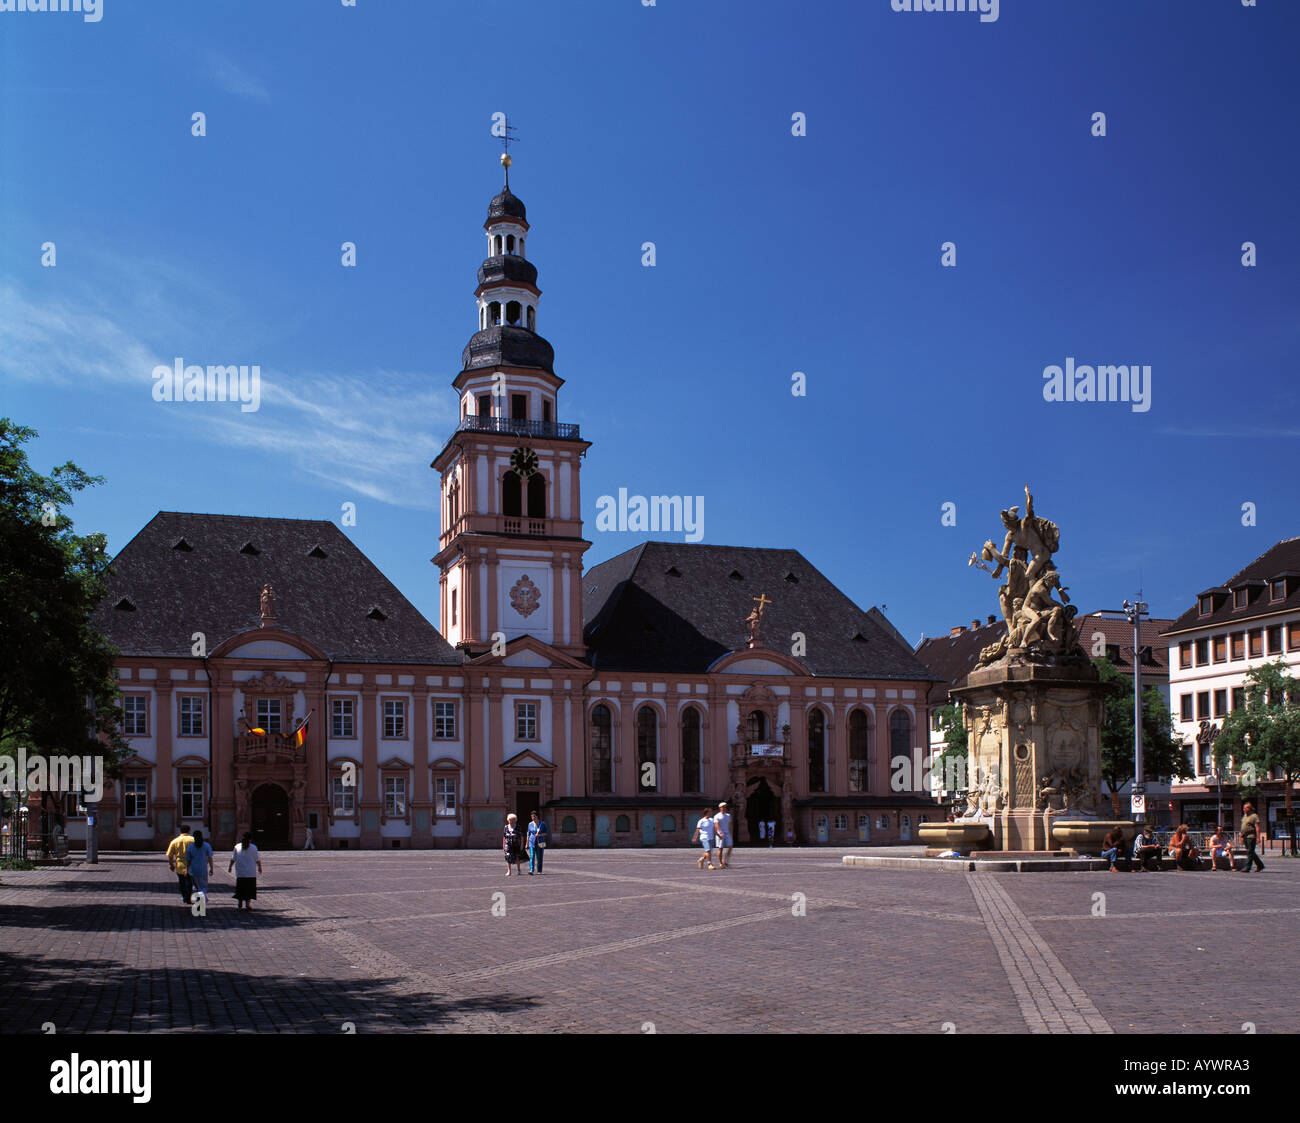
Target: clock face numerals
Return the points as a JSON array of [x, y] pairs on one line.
[[524, 461]]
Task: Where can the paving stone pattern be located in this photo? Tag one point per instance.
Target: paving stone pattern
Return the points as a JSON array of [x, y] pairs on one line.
[[627, 941]]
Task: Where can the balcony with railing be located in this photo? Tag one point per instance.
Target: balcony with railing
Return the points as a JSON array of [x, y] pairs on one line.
[[518, 427]]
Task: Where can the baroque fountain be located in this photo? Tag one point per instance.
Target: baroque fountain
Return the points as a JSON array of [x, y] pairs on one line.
[[1033, 712]]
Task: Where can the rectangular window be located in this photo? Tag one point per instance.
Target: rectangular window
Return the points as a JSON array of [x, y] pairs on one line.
[[1185, 707], [454, 614], [394, 795], [525, 721], [1238, 697], [135, 797], [1278, 589], [1220, 649], [1202, 652], [546, 411], [1292, 637], [841, 822], [343, 717], [518, 407], [1220, 703], [394, 717], [73, 808], [1240, 598], [268, 714], [444, 796], [444, 721], [191, 714], [1207, 605], [485, 405], [135, 715], [1185, 654], [191, 797], [1203, 705], [1239, 645], [1275, 639], [1256, 644], [344, 797]]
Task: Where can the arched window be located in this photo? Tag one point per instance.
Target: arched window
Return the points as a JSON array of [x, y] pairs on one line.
[[690, 749], [510, 243], [670, 823], [453, 505], [496, 245], [512, 495], [602, 773], [537, 496], [513, 311], [494, 312], [622, 824], [569, 825], [756, 726], [859, 751], [521, 245], [532, 318], [900, 739], [816, 751], [647, 749]]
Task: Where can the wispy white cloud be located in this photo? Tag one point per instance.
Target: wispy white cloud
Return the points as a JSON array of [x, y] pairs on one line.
[[235, 79], [353, 430]]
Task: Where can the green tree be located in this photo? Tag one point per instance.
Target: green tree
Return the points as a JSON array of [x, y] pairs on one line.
[[58, 680], [951, 763], [1264, 734], [1163, 755]]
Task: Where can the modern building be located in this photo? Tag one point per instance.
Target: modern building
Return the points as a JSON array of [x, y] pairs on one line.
[[1250, 619], [619, 700]]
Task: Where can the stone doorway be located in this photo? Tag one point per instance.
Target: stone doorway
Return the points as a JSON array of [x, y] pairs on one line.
[[270, 817], [762, 805], [527, 800]]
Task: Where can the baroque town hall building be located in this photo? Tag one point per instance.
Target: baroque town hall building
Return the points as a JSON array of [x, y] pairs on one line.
[[619, 701]]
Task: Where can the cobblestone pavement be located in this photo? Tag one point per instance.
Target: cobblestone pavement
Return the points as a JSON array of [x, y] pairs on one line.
[[633, 940]]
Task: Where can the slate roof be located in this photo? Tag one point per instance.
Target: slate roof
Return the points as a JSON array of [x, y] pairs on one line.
[[1280, 560], [951, 658], [674, 606], [214, 588], [507, 204], [507, 345]]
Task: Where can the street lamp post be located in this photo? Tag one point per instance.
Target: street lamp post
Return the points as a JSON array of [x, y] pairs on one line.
[[1135, 612]]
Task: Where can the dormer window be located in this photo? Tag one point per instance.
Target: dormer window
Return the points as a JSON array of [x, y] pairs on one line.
[[183, 546], [376, 613], [672, 571], [317, 552], [1278, 589], [1207, 604], [735, 575], [792, 579], [125, 605], [249, 549], [1240, 598]]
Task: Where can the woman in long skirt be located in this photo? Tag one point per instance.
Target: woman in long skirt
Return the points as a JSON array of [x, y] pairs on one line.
[[512, 844], [246, 861]]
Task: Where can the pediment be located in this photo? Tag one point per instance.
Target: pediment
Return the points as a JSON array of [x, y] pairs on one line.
[[527, 759], [529, 651]]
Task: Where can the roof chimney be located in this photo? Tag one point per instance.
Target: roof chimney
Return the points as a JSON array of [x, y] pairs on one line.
[[956, 631], [992, 618], [974, 624]]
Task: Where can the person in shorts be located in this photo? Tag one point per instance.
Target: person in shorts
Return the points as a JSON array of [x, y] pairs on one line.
[[704, 836], [246, 861], [722, 835]]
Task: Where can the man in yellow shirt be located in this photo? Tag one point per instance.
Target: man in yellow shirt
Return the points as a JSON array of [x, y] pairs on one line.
[[176, 860]]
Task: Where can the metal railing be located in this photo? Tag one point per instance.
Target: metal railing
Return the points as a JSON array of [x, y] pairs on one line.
[[477, 423]]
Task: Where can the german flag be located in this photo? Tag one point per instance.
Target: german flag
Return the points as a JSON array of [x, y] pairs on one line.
[[253, 729], [300, 734]]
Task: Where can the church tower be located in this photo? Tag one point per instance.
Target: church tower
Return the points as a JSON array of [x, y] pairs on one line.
[[511, 548]]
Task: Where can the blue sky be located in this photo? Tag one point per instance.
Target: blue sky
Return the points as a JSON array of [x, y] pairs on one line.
[[775, 254]]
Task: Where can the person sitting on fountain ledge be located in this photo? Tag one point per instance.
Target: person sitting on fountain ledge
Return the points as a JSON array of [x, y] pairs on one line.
[[1146, 850], [1111, 846], [1184, 854]]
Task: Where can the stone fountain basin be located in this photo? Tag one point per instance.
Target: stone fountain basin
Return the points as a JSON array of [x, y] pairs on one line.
[[953, 836], [1089, 834]]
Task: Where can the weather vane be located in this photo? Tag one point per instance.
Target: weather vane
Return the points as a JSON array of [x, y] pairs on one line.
[[506, 132]]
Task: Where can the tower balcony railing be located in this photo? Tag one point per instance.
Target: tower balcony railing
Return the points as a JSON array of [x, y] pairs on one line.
[[476, 423]]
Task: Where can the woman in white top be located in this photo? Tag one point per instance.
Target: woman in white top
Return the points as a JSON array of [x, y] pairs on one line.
[[247, 864]]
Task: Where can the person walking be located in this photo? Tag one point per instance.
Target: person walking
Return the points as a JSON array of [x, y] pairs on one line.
[[308, 844], [1111, 846], [246, 860], [1221, 850], [722, 835], [539, 834], [198, 856], [771, 833], [176, 861], [1250, 836], [704, 836], [512, 844]]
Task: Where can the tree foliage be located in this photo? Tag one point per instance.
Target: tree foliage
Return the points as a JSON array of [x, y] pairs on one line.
[[58, 680], [1264, 734], [1163, 755]]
